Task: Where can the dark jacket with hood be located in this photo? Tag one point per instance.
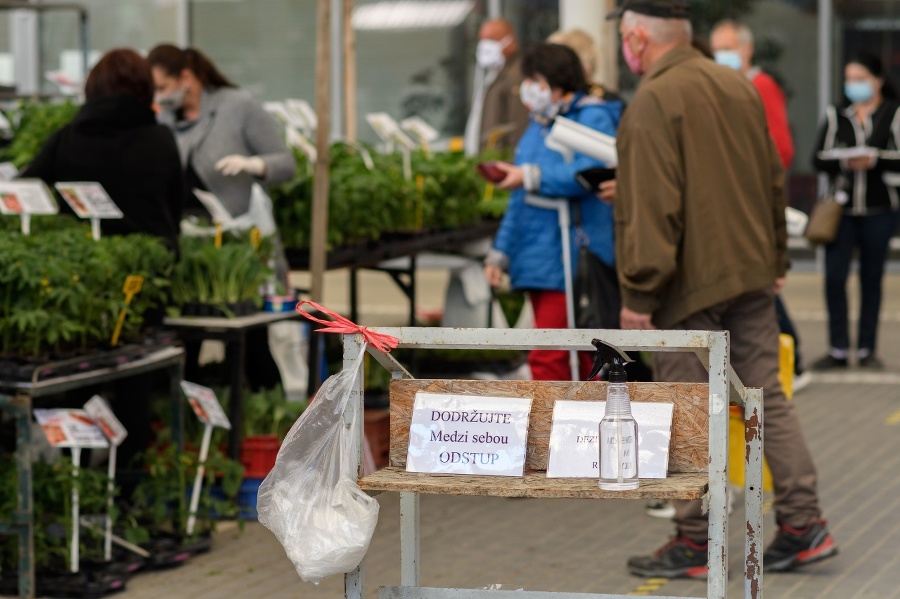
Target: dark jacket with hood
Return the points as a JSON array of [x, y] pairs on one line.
[[116, 141]]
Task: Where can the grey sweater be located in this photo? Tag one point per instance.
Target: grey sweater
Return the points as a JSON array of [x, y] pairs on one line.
[[231, 122]]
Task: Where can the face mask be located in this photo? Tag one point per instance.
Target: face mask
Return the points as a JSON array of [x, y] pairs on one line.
[[635, 63], [171, 101], [537, 98], [730, 58], [859, 91], [489, 53]]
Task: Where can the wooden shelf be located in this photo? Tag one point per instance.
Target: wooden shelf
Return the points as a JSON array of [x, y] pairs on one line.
[[533, 484]]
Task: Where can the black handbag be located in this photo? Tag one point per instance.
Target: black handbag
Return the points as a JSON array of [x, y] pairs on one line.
[[596, 285]]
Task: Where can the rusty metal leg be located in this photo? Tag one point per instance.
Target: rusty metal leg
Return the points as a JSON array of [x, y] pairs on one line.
[[753, 493]]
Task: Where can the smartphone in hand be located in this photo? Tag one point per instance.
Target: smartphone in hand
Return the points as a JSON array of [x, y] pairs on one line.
[[591, 178]]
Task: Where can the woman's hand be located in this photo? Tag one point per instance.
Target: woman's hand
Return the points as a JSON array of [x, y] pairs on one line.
[[609, 191], [863, 163], [493, 274], [514, 177]]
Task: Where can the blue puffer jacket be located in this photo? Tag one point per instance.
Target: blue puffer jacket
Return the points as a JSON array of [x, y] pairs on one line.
[[529, 236]]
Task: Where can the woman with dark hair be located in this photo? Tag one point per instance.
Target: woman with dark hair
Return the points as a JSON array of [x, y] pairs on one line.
[[227, 142], [529, 242], [868, 184], [226, 138], [115, 140]]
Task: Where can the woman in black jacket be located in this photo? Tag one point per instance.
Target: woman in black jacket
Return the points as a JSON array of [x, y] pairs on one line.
[[869, 186], [115, 140]]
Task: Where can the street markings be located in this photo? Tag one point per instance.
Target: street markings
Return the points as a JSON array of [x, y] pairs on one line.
[[893, 419], [652, 585]]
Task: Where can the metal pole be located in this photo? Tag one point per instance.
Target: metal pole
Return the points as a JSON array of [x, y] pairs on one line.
[[337, 68], [320, 177], [826, 24], [350, 129], [354, 582], [495, 9], [183, 23]]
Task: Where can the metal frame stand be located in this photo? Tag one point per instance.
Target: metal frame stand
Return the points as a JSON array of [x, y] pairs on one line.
[[17, 399], [711, 347]]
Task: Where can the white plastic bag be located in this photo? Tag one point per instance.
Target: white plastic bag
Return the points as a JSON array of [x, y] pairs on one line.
[[310, 499]]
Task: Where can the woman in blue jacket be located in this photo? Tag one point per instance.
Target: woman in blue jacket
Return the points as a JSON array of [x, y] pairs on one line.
[[529, 242]]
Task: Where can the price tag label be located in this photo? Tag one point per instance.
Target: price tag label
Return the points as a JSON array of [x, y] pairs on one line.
[[26, 196], [100, 412], [132, 286], [205, 405], [255, 237], [70, 428], [89, 200]]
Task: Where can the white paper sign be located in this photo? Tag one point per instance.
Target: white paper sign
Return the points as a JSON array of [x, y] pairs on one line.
[[299, 141], [70, 428], [8, 171], [100, 412], [463, 434], [388, 130], [88, 200], [26, 196], [304, 114], [419, 129], [848, 153], [575, 446], [205, 405]]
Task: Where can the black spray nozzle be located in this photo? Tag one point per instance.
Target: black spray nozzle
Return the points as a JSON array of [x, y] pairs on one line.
[[609, 354]]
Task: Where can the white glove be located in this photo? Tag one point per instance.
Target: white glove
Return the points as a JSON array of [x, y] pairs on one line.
[[236, 164]]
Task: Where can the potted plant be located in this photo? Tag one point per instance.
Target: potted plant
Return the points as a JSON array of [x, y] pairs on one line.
[[268, 416], [161, 501]]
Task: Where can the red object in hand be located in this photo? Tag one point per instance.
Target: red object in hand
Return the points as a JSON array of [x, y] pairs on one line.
[[491, 172]]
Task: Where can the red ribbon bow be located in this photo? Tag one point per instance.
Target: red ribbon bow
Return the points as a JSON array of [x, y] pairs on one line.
[[380, 341]]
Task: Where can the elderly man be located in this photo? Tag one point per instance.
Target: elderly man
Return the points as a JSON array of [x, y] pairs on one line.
[[701, 244], [497, 118]]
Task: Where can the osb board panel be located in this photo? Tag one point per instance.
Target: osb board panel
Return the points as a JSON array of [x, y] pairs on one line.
[[533, 484], [688, 449]]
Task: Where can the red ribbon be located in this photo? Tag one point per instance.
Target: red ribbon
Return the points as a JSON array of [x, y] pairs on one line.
[[380, 341]]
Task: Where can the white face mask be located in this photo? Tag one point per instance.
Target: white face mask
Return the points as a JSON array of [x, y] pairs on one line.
[[489, 53], [537, 97], [171, 101]]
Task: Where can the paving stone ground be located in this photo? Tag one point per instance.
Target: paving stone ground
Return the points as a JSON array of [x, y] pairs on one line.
[[851, 421]]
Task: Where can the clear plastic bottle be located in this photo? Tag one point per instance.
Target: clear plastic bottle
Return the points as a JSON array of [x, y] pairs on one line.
[[618, 435]]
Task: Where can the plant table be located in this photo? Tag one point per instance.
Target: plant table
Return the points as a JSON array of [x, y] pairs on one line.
[[233, 332], [17, 398]]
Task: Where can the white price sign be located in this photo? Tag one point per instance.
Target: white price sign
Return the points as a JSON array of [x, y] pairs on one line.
[[575, 438], [103, 416], [70, 428], [205, 405], [463, 434], [89, 200], [26, 196]]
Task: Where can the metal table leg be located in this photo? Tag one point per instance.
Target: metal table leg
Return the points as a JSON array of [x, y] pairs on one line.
[[237, 351]]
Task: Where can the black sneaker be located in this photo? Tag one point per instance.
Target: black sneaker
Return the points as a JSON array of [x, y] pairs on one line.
[[792, 547], [828, 362], [679, 558], [871, 361]]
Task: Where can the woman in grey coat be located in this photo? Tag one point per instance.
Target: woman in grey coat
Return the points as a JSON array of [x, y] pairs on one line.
[[226, 139], [227, 142]]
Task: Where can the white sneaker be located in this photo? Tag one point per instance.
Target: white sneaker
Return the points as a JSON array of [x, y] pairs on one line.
[[660, 509], [801, 381]]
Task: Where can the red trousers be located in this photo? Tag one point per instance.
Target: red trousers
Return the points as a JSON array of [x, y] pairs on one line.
[[553, 365]]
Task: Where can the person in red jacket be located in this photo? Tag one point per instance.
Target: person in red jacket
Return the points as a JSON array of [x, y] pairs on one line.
[[732, 46]]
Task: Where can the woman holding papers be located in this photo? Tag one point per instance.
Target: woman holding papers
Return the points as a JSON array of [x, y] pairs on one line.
[[115, 140], [529, 242], [859, 149]]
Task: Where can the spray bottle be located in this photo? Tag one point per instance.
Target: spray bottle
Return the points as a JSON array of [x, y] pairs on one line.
[[618, 429]]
